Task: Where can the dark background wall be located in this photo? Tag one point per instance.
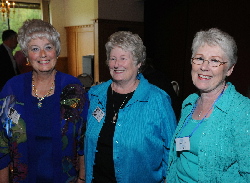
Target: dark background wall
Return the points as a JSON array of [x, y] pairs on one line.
[[169, 28]]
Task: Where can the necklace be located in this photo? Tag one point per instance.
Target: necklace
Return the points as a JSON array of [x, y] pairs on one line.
[[199, 115], [115, 115], [39, 104], [201, 103]]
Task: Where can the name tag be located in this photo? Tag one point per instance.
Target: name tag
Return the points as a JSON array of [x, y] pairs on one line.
[[98, 114], [13, 115], [182, 144]]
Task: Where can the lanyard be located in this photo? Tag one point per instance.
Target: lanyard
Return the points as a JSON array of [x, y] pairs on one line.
[[202, 120]]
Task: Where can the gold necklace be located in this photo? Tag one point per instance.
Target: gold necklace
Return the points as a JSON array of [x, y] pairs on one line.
[[39, 104], [115, 116]]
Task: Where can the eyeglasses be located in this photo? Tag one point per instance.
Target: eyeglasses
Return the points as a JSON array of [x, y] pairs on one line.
[[211, 62]]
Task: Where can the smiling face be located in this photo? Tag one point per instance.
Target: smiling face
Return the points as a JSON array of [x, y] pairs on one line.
[[121, 65], [42, 55], [205, 77]]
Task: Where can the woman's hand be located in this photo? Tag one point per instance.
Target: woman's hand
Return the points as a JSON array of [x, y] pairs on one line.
[[80, 180], [4, 175], [81, 176]]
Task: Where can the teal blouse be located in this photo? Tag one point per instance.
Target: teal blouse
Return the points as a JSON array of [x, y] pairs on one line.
[[142, 134], [187, 163], [223, 148]]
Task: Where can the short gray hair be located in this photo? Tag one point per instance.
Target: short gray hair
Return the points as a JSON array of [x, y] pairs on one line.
[[37, 28], [129, 42], [216, 37]]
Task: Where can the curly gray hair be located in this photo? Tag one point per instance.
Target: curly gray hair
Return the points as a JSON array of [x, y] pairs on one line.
[[129, 42], [37, 28], [216, 37]]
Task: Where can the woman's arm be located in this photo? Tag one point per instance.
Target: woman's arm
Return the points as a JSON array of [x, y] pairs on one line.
[[243, 149], [168, 124], [81, 176], [4, 175]]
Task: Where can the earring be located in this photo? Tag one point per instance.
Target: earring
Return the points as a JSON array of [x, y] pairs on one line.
[[28, 62], [139, 70]]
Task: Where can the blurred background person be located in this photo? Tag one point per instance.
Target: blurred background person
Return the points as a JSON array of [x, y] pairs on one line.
[[130, 121], [211, 142], [8, 67], [42, 115]]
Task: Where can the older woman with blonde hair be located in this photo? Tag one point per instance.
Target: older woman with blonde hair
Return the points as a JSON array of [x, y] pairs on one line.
[[42, 115], [130, 122], [211, 142]]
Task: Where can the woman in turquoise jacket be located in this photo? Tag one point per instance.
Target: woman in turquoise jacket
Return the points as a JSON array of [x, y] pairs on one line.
[[211, 142], [130, 122]]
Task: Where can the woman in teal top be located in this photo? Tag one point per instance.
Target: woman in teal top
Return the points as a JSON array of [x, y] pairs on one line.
[[130, 122], [211, 142]]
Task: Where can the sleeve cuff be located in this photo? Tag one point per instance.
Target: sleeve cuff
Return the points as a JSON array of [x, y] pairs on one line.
[[4, 161]]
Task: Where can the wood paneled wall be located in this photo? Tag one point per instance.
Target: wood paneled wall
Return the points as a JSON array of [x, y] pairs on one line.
[[80, 42], [62, 64]]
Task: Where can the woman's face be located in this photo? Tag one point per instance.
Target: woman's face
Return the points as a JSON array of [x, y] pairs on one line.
[[121, 65], [42, 55], [205, 77]]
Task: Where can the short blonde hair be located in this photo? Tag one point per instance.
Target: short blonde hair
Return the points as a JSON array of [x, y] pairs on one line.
[[37, 28], [128, 42], [216, 37]]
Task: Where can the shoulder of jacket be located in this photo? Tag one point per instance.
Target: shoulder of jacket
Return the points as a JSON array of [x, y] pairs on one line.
[[100, 89], [190, 100]]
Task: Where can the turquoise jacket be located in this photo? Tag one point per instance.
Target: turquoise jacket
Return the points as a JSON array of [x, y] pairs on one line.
[[224, 149], [142, 134]]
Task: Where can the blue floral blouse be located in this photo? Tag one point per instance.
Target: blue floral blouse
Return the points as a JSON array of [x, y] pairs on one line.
[[42, 144]]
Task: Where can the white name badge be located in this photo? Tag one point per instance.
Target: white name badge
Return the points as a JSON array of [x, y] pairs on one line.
[[98, 114], [13, 115], [182, 144]]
